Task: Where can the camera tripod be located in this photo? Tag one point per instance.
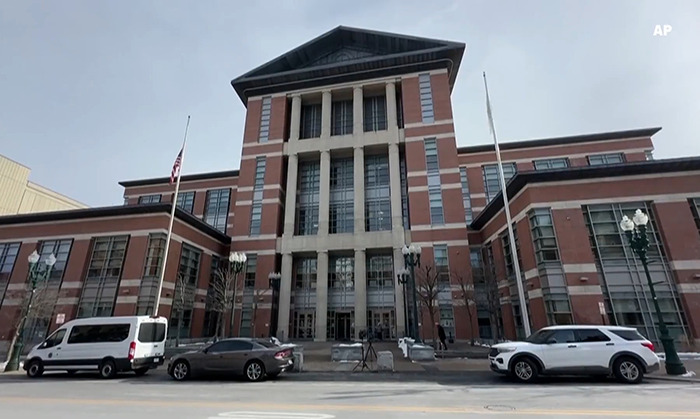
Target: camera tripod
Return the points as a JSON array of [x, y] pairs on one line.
[[367, 354]]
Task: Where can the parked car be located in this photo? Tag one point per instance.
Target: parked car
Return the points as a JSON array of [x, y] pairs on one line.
[[106, 344], [577, 350], [254, 359]]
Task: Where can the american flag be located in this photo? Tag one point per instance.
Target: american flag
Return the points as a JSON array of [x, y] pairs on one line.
[[176, 167]]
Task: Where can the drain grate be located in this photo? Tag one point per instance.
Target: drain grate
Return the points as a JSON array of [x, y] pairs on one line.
[[499, 408]]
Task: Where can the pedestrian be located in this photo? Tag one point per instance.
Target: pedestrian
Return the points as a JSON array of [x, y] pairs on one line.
[[441, 335]]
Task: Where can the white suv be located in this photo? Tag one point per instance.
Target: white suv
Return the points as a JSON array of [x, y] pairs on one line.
[[577, 350]]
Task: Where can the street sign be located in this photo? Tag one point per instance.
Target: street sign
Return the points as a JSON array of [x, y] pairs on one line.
[[60, 318], [601, 307]]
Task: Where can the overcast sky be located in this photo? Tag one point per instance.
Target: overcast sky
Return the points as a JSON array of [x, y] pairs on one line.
[[94, 92]]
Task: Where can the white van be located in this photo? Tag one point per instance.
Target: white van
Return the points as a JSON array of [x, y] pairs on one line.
[[105, 344]]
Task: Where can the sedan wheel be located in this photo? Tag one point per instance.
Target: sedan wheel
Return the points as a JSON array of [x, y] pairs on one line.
[[254, 371], [181, 371]]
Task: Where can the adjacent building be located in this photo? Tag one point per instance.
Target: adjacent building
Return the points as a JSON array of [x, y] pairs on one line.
[[349, 152], [19, 195]]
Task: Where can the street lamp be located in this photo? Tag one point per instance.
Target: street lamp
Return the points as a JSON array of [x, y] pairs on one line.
[[411, 258], [636, 232], [275, 279], [36, 273], [237, 264], [402, 276]]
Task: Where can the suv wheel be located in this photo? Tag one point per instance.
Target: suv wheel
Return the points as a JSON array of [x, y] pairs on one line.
[[524, 370], [628, 370]]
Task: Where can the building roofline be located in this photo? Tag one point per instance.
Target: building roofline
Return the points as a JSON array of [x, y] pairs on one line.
[[573, 139], [116, 211], [184, 178], [256, 82], [521, 179]]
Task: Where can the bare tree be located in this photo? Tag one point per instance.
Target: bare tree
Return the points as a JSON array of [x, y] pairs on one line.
[[222, 295], [427, 290], [257, 298], [36, 307], [488, 295], [179, 304], [466, 286]]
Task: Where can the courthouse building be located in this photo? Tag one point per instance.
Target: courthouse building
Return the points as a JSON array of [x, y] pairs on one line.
[[349, 152]]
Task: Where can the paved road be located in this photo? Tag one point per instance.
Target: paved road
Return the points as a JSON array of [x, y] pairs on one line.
[[85, 396]]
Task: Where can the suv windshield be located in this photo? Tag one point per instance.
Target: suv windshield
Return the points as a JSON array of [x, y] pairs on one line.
[[539, 337]]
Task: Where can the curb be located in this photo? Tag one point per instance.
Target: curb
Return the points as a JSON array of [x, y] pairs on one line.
[[674, 379]]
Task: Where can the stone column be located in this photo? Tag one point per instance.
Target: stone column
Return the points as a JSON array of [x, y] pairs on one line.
[[291, 195], [285, 297], [360, 292], [321, 296], [324, 194], [391, 119], [395, 185], [295, 121], [357, 111], [399, 295], [326, 104], [359, 189]]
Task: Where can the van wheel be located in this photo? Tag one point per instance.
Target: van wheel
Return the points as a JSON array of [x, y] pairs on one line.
[[35, 369], [254, 371], [628, 370], [108, 369], [181, 371], [141, 371]]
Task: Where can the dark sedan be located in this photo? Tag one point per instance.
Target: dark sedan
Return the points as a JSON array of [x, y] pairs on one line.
[[254, 359]]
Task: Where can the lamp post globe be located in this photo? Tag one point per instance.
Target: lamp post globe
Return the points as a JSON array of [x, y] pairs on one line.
[[636, 232]]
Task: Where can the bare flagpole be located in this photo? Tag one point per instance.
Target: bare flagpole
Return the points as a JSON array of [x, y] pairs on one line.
[[506, 206], [172, 218]]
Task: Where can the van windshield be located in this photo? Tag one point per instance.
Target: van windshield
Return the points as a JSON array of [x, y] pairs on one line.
[[151, 332]]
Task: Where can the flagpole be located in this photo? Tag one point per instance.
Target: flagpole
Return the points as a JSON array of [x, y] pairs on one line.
[[172, 218], [506, 205]]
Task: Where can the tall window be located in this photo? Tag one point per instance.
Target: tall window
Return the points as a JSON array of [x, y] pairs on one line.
[[375, 113], [342, 118], [549, 164], [212, 309], [103, 275], [265, 120], [341, 272], [303, 321], [185, 201], [603, 159], [151, 274], [508, 252], [543, 237], [61, 250], [426, 98], [399, 108], [310, 121], [8, 255], [377, 194], [256, 209], [434, 189], [466, 196], [492, 182], [404, 192], [308, 198], [149, 199], [380, 271], [251, 267], [695, 208], [342, 200], [216, 209], [442, 266], [624, 283], [185, 289]]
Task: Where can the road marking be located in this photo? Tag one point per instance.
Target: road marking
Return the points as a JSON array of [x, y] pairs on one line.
[[461, 410], [272, 415]]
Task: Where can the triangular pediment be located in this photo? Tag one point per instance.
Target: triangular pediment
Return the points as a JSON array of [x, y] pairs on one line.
[[344, 53], [343, 45]]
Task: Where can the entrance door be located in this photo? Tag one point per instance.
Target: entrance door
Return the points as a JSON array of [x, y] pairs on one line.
[[342, 326]]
